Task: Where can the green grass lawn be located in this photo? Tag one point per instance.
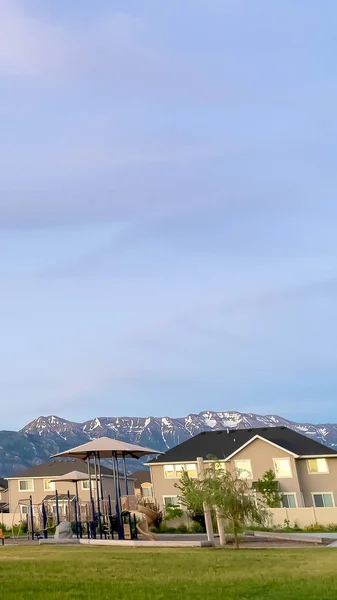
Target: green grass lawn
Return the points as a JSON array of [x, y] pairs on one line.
[[77, 572]]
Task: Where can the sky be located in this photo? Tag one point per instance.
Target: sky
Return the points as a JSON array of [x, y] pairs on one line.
[[168, 208]]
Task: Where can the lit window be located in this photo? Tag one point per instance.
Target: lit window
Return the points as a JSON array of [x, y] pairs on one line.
[[282, 467], [192, 470], [318, 465], [49, 485], [324, 500], [169, 471], [288, 501], [171, 501], [26, 485], [244, 469], [179, 470]]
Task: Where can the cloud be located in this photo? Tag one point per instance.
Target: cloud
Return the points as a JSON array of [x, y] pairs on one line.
[[35, 47]]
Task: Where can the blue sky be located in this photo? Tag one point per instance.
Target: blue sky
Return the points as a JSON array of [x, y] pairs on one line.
[[168, 208]]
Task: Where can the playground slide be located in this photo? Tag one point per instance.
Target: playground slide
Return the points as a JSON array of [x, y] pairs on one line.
[[148, 517]]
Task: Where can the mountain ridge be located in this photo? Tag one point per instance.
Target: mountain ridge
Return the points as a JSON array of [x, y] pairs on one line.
[[45, 436]]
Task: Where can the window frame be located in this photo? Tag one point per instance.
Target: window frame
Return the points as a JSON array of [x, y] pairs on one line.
[[24, 513], [313, 494], [290, 465], [32, 489], [173, 471], [294, 494], [318, 472], [246, 460], [195, 469], [49, 489], [178, 474], [146, 485], [178, 505], [87, 489]]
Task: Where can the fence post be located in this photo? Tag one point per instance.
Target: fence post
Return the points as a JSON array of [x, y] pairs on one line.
[[31, 516], [44, 520], [57, 507], [314, 515]]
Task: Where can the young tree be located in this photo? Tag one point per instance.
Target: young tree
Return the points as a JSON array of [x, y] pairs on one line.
[[172, 512], [228, 493], [268, 488]]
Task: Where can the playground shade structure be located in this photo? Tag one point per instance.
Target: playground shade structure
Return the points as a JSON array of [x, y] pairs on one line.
[[108, 448]]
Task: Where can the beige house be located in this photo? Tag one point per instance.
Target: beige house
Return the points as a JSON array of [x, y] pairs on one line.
[[38, 482], [3, 495], [306, 470]]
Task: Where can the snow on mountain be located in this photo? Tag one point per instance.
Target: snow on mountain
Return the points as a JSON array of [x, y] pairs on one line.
[[47, 435], [164, 432]]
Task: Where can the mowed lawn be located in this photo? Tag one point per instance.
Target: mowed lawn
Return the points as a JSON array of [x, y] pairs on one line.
[[64, 572]]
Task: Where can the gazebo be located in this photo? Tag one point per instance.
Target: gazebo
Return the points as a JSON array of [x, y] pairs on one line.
[[106, 448]]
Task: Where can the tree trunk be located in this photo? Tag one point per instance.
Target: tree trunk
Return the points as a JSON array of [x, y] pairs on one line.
[[236, 537]]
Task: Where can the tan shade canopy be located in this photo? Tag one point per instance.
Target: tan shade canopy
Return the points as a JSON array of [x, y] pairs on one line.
[[106, 447], [71, 477]]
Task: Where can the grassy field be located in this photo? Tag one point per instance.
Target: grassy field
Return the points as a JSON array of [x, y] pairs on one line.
[[39, 572]]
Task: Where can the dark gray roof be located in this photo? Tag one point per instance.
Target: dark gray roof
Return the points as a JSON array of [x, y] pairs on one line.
[[3, 484], [58, 467], [223, 443], [141, 477]]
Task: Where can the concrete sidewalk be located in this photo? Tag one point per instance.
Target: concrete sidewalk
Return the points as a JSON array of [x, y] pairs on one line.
[[311, 537]]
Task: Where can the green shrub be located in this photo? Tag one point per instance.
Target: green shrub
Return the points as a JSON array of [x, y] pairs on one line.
[[182, 529], [197, 527]]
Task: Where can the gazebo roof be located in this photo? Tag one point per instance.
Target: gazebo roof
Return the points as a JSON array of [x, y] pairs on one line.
[[106, 448], [71, 477]]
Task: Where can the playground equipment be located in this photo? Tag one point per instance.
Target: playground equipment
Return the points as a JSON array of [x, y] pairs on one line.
[[103, 515], [92, 453], [144, 515]]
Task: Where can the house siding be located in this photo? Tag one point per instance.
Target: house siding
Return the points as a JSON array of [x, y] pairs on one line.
[[39, 493], [318, 482], [262, 455]]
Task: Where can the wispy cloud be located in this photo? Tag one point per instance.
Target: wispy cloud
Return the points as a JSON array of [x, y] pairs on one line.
[[32, 46]]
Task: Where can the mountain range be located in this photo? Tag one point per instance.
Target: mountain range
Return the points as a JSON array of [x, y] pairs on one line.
[[45, 436]]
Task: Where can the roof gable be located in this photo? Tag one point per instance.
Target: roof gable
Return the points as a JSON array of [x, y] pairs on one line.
[[259, 437]]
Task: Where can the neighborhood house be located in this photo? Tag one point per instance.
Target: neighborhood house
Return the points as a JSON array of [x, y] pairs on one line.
[[306, 470]]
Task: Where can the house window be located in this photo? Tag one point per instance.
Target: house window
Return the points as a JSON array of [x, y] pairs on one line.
[[179, 470], [323, 500], [289, 501], [169, 471], [282, 467], [62, 509], [244, 469], [49, 485], [171, 500], [24, 509], [317, 465], [146, 490], [85, 484], [192, 470], [26, 485]]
